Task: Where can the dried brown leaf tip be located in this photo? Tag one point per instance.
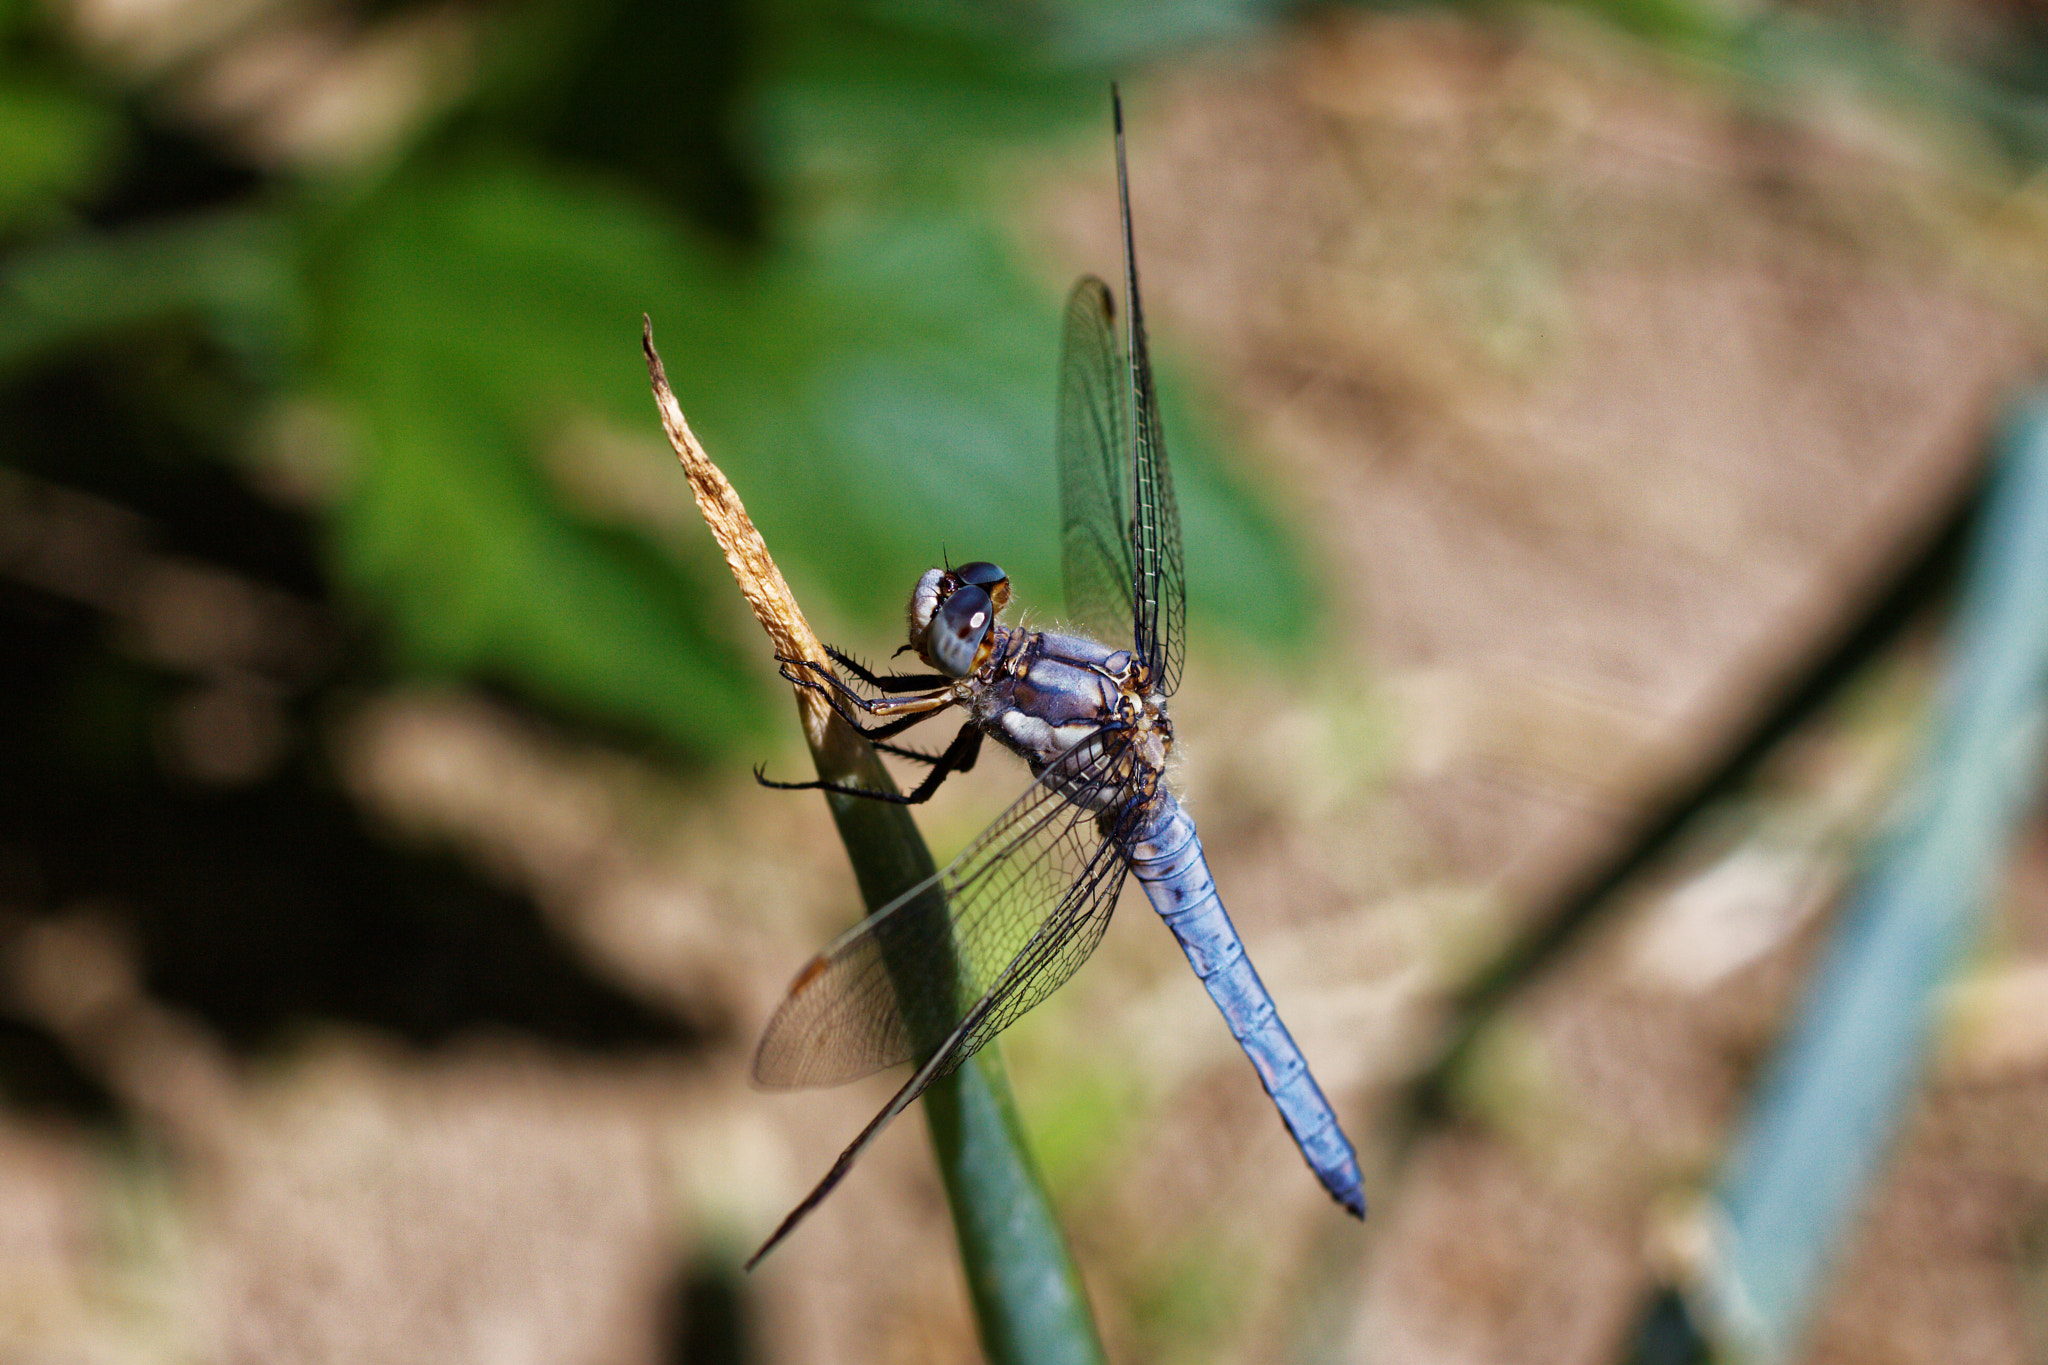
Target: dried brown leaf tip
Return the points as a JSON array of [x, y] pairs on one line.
[[761, 583]]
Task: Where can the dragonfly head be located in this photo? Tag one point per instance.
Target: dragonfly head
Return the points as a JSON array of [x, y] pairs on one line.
[[953, 616]]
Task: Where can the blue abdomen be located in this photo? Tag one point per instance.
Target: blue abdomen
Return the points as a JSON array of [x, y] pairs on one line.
[[1167, 857]]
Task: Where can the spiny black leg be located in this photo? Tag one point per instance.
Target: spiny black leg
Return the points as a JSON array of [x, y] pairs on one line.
[[920, 756], [914, 755], [875, 736], [887, 729], [913, 710], [804, 673], [965, 762], [959, 757], [896, 727], [887, 682], [819, 678]]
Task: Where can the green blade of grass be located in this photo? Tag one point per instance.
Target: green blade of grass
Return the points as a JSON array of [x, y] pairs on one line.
[[1829, 1110], [1027, 1295]]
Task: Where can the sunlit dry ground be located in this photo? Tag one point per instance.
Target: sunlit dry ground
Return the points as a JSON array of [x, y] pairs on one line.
[[1596, 391]]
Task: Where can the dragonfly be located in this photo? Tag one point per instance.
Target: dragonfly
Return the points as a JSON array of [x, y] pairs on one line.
[[937, 973]]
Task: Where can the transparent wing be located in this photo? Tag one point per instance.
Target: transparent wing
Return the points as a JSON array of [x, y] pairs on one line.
[[1159, 586], [1095, 468], [1028, 902], [952, 962]]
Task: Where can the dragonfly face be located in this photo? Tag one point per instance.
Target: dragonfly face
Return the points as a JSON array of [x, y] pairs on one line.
[[935, 974], [953, 615]]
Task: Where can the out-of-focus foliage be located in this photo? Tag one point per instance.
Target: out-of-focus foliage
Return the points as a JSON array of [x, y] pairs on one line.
[[801, 197], [806, 199], [411, 300], [52, 141], [1828, 1116]]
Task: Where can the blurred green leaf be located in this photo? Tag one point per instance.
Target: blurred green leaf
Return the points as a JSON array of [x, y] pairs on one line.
[[883, 390], [234, 271], [878, 371], [1079, 1120], [1700, 28], [476, 310], [55, 144]]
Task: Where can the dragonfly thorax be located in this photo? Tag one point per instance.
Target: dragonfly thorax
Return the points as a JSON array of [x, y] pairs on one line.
[[1043, 693], [952, 616]]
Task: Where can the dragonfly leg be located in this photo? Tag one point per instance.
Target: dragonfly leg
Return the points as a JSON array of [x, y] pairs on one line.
[[820, 678], [958, 758], [895, 727], [885, 682], [875, 733], [962, 765], [914, 755]]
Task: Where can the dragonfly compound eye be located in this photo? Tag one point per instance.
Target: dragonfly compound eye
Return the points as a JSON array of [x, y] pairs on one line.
[[958, 630], [989, 578]]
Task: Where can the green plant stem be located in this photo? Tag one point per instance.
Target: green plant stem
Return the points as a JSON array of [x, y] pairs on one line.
[[1029, 1305]]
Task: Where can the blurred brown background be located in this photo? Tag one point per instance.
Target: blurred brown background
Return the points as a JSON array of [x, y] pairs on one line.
[[386, 908]]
